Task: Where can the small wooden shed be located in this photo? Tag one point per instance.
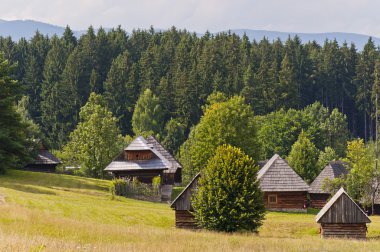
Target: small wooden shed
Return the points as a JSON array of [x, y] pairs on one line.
[[284, 189], [319, 196], [184, 217], [45, 161], [341, 217]]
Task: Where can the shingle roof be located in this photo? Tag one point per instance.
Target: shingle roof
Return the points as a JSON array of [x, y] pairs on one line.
[[139, 143], [162, 160], [277, 176], [174, 164], [45, 157], [342, 211], [333, 170], [152, 164]]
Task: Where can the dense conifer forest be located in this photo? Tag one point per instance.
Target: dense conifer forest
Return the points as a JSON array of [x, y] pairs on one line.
[[173, 72]]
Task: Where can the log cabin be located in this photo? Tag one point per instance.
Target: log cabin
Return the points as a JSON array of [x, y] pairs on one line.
[[284, 189], [45, 161], [146, 159], [184, 217], [341, 217], [318, 195]]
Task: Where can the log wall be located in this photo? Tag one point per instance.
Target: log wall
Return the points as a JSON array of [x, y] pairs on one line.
[[185, 219], [342, 230], [318, 200], [139, 155], [286, 200]]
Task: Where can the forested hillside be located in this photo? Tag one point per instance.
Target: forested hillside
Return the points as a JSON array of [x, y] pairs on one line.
[[181, 70]]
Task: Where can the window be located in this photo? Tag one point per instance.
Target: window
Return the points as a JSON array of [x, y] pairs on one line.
[[272, 199]]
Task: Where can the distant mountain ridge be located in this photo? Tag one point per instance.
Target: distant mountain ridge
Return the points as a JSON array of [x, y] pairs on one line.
[[27, 28]]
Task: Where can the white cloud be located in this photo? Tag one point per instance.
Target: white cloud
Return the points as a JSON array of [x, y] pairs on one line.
[[358, 16]]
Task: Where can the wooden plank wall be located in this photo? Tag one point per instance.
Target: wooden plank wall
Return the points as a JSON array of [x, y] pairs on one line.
[[344, 210], [331, 230], [185, 219], [139, 155], [318, 200], [286, 200]]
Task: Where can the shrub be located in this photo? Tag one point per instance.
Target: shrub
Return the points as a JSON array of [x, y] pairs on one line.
[[228, 197], [133, 188]]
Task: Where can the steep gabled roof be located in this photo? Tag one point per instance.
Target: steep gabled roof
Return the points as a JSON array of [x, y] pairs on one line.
[[278, 176], [45, 157], [139, 143], [159, 162], [342, 209], [333, 170], [157, 146], [190, 185]]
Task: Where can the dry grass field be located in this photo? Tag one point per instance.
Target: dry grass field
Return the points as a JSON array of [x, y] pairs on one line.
[[50, 212]]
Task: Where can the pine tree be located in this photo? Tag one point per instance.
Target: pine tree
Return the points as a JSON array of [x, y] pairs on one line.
[[14, 147]]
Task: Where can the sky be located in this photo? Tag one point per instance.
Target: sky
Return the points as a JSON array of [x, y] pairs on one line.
[[359, 16]]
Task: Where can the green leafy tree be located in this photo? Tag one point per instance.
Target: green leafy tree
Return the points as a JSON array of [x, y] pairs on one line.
[[303, 158], [96, 139], [362, 180], [147, 116], [326, 156], [174, 135], [228, 197], [230, 122]]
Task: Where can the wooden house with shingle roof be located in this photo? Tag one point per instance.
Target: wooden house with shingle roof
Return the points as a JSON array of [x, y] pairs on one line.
[[284, 189], [146, 159], [45, 161], [341, 217], [319, 196]]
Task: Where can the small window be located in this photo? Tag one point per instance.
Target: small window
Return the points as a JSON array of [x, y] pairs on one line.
[[272, 199]]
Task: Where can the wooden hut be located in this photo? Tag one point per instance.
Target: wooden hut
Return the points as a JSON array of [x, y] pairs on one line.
[[284, 189], [184, 217], [45, 161], [341, 217], [319, 196], [146, 159]]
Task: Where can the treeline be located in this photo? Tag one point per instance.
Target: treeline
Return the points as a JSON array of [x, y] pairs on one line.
[[181, 70]]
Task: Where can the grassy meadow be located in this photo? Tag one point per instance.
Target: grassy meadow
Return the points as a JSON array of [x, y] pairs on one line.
[[51, 212]]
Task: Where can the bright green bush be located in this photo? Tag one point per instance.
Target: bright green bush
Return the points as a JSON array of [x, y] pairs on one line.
[[228, 197]]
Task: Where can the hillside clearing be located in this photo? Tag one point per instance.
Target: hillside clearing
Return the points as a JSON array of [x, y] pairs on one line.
[[50, 212]]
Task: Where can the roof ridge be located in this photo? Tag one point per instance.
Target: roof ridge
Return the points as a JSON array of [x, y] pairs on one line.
[[331, 202]]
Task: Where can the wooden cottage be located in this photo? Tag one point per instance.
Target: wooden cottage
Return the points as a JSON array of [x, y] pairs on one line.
[[284, 189], [341, 217], [45, 161], [146, 159], [184, 217], [319, 196]]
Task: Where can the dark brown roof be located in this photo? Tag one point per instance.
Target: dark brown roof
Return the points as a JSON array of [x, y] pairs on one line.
[[262, 163], [45, 157], [333, 170], [277, 176], [342, 209]]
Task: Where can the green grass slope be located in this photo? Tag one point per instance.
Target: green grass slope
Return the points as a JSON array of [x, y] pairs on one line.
[[51, 212]]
